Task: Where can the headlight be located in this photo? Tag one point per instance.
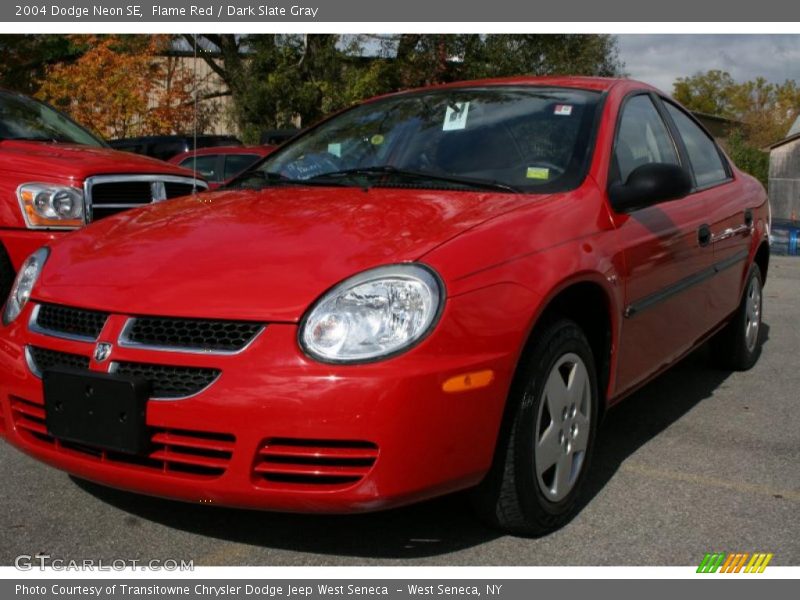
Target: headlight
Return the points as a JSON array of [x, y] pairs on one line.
[[373, 315], [46, 205], [23, 285]]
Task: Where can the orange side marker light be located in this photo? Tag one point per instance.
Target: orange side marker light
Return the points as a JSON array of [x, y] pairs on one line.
[[468, 381]]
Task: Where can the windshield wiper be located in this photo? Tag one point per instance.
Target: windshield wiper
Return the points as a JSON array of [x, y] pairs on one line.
[[270, 178], [394, 171]]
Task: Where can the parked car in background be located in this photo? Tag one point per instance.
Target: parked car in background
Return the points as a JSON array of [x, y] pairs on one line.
[[218, 165], [56, 176], [164, 147], [434, 290]]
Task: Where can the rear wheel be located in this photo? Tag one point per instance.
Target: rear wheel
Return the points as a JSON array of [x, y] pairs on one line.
[[544, 454], [738, 345], [6, 275]]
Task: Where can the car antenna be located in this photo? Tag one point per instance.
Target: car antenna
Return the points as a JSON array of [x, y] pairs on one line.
[[194, 119]]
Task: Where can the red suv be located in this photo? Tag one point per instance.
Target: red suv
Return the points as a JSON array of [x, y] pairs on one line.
[[56, 176], [435, 290]]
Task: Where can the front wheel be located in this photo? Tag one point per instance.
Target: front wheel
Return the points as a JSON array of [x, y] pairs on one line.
[[544, 454]]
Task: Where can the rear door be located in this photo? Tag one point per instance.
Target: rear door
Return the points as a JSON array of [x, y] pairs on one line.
[[666, 263], [729, 219]]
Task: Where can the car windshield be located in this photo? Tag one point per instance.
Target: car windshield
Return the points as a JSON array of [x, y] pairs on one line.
[[512, 139], [22, 118]]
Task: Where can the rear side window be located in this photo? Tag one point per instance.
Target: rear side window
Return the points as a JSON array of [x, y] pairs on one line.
[[236, 163], [703, 154], [642, 137]]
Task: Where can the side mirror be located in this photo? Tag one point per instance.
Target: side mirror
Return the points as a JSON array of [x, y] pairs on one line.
[[650, 184]]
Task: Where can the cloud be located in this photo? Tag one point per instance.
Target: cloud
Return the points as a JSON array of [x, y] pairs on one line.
[[660, 59]]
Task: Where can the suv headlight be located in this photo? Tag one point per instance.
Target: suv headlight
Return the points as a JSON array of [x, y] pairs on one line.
[[373, 315], [23, 285], [48, 206]]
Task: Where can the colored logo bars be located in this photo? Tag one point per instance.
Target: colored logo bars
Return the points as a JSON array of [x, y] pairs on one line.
[[734, 562]]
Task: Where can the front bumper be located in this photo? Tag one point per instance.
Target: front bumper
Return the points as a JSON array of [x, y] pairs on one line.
[[411, 440]]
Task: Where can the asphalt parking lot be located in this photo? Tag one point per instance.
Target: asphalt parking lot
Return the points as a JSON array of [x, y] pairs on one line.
[[699, 460]]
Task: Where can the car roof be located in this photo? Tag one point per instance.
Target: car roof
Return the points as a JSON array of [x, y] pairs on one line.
[[597, 84]]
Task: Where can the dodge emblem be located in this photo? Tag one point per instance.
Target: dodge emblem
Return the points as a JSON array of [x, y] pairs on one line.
[[102, 351]]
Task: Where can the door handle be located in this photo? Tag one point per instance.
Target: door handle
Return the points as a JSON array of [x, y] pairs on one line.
[[704, 235]]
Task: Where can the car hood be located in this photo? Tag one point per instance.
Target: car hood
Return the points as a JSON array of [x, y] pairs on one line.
[[264, 255], [76, 162]]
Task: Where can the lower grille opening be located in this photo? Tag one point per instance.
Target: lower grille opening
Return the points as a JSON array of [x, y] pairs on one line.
[[169, 381], [174, 451], [287, 461]]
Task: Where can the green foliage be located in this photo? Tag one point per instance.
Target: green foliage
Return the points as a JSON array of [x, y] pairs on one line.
[[767, 110], [748, 158], [26, 57]]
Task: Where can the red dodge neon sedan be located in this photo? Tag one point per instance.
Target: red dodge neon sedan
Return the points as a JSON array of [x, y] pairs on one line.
[[435, 290]]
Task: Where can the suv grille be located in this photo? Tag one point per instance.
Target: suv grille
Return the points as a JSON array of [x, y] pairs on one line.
[[70, 321], [297, 462], [108, 195], [176, 190], [191, 334], [174, 451], [168, 381]]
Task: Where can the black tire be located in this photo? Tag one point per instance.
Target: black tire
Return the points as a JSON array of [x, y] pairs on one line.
[[7, 275], [512, 497], [730, 348]]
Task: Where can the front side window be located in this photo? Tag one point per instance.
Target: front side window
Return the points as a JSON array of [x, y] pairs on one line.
[[22, 118], [703, 154], [642, 137], [510, 138]]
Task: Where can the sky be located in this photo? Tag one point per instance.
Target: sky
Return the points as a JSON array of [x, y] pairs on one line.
[[660, 59]]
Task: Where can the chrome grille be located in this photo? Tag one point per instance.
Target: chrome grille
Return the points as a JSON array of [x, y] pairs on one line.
[[68, 322], [192, 335], [110, 194]]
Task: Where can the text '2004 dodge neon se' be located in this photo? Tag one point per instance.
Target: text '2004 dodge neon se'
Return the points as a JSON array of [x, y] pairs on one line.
[[434, 290]]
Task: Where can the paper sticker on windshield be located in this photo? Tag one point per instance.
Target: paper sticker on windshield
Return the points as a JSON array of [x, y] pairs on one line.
[[563, 110], [335, 149], [456, 116], [538, 173], [376, 140]]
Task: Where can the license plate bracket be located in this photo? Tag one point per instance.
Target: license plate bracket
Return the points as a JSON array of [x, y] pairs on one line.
[[101, 410]]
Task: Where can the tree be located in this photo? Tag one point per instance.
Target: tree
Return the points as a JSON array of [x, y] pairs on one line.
[[122, 86], [748, 158], [26, 57], [766, 110]]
